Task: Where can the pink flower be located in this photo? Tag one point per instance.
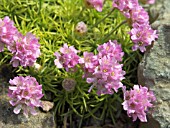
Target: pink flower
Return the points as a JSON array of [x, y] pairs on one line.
[[142, 36], [12, 47], [107, 76], [68, 57], [137, 101], [125, 6], [119, 4], [141, 33], [108, 73], [89, 62], [58, 62], [111, 48], [26, 50], [7, 31], [25, 94], [139, 15], [97, 4]]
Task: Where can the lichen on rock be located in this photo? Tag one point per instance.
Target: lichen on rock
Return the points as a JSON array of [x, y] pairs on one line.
[[154, 71]]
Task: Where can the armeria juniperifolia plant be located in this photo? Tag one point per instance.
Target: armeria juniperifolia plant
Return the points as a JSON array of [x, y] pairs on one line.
[[86, 60]]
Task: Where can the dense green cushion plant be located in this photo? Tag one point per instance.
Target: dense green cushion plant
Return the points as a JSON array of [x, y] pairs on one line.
[[54, 22]]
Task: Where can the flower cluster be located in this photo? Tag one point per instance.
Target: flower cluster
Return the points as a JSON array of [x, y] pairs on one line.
[[68, 57], [25, 94], [97, 4], [137, 101], [108, 73], [7, 31], [142, 36], [25, 49], [141, 33], [102, 70], [125, 6]]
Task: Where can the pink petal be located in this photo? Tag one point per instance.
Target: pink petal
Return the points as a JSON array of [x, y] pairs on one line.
[[17, 109]]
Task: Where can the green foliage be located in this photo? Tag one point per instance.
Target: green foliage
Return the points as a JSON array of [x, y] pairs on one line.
[[53, 22]]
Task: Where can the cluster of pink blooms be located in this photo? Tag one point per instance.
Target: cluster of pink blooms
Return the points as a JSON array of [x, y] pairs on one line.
[[68, 57], [141, 33], [108, 73], [7, 32], [97, 4], [25, 49], [25, 94], [102, 70], [137, 102]]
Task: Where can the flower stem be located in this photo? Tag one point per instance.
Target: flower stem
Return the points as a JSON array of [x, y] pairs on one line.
[[103, 18], [65, 121], [108, 35], [40, 5]]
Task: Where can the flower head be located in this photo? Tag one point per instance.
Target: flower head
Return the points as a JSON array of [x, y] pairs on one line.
[[139, 15], [142, 36], [125, 6], [7, 31], [97, 4], [108, 72], [89, 62], [68, 57], [25, 94], [137, 101], [112, 49], [26, 50], [107, 76]]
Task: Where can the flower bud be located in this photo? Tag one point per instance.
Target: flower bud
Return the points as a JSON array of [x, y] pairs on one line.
[[37, 66], [69, 84], [81, 28]]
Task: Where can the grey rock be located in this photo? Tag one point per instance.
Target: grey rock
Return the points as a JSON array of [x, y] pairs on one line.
[[162, 8], [154, 72], [10, 120]]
